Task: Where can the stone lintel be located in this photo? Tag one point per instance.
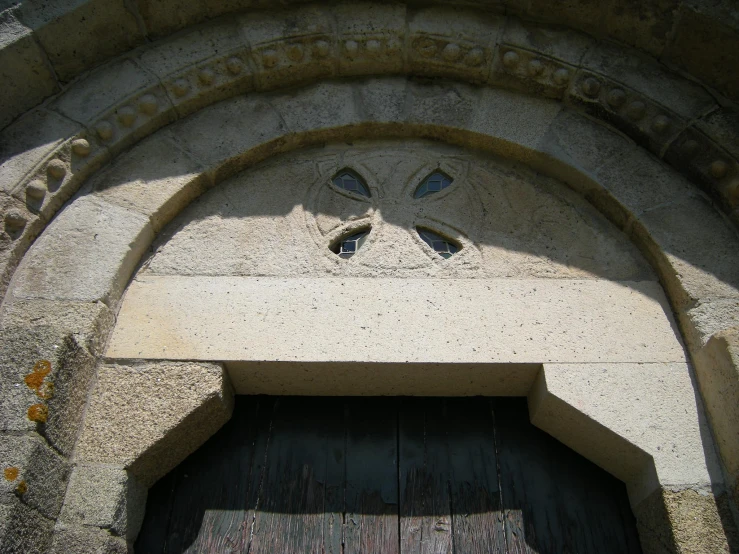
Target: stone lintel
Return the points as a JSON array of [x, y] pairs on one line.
[[457, 321]]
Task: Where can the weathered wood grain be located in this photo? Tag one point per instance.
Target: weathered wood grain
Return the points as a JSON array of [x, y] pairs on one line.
[[371, 494], [555, 500], [392, 475], [477, 523], [425, 478], [289, 513]]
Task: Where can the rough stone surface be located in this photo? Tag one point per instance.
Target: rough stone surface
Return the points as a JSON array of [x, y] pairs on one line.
[[25, 77], [695, 247], [683, 521], [105, 497], [88, 322], [110, 28], [650, 78], [24, 530], [695, 260], [484, 321], [253, 123], [317, 108], [639, 183], [63, 334], [90, 540], [706, 23], [155, 178], [510, 221], [147, 417], [401, 379], [40, 474], [287, 54], [69, 261], [649, 407], [202, 66], [21, 350], [720, 388], [25, 143], [105, 88]]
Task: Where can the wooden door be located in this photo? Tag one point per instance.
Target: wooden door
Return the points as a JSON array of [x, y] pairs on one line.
[[385, 475]]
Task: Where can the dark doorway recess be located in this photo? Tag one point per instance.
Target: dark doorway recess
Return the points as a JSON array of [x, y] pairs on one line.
[[386, 475]]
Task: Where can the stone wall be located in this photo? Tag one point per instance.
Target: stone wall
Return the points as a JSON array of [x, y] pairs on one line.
[[650, 148]]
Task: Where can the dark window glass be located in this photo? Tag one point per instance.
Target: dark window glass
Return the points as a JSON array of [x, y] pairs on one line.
[[347, 246], [350, 181], [436, 182], [442, 246]]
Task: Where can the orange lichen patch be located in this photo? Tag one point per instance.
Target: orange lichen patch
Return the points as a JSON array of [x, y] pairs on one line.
[[21, 488], [11, 473], [35, 379], [38, 413]]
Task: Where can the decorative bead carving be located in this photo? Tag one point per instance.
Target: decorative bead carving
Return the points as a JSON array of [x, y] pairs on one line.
[[148, 104], [732, 192], [206, 76], [590, 86], [535, 67], [393, 46], [373, 46], [660, 124], [56, 169], [321, 48], [690, 148], [426, 47], [36, 190], [14, 221], [126, 116], [719, 169], [511, 59], [234, 65], [295, 52], [181, 87], [351, 47], [561, 76], [616, 97], [81, 147], [474, 57], [451, 52], [104, 130], [269, 58], [636, 110]]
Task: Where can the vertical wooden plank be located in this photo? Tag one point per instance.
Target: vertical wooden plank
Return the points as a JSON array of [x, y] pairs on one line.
[[208, 508], [477, 519], [371, 477], [554, 499], [333, 511], [290, 513], [425, 505]]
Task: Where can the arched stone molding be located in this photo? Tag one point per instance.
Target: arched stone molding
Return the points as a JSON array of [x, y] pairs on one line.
[[50, 151], [72, 278], [46, 46]]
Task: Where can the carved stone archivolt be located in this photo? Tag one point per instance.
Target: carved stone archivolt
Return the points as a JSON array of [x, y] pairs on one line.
[[609, 165]]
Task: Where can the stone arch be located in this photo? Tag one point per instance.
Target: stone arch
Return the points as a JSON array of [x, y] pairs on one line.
[[104, 232], [52, 150]]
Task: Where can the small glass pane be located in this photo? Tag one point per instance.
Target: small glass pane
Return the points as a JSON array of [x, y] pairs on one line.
[[443, 247], [350, 181], [436, 182], [347, 246]]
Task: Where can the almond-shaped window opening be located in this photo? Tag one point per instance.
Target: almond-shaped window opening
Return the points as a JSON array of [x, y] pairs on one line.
[[436, 182], [443, 246], [348, 245], [350, 181]]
